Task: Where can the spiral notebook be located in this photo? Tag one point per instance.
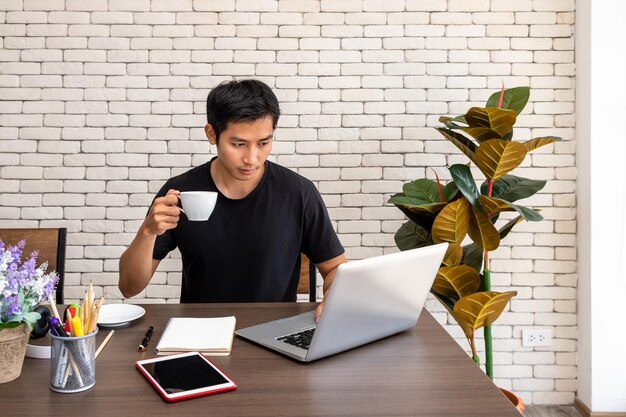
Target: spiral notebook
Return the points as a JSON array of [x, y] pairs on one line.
[[212, 336]]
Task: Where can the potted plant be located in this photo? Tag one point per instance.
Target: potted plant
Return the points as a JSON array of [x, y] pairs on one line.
[[449, 212], [23, 285]]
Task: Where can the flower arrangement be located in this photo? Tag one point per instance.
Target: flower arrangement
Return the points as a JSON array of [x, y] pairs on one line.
[[22, 286]]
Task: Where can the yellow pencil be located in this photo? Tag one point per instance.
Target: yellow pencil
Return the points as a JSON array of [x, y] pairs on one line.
[[104, 342]]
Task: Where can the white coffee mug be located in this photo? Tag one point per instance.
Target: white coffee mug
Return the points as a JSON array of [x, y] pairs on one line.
[[198, 205]]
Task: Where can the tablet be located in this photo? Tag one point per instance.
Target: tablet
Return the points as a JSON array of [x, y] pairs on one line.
[[184, 376]]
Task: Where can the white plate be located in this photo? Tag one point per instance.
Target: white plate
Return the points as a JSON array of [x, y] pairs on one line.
[[118, 315]]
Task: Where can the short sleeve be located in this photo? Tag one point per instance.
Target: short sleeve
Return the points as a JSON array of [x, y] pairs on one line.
[[319, 241]]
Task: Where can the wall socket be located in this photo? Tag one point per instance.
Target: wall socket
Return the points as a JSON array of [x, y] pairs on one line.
[[536, 337]]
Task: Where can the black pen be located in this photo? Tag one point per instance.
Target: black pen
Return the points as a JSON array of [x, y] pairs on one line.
[[144, 343]]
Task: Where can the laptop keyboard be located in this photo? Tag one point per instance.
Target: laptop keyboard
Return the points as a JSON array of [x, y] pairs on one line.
[[300, 339]]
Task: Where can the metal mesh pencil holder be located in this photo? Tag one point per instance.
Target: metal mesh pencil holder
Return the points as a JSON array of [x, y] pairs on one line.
[[73, 363]]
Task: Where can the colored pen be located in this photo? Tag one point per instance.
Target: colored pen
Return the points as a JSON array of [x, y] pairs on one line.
[[144, 343], [56, 328], [77, 327], [73, 310]]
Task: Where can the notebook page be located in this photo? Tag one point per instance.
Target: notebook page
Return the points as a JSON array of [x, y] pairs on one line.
[[202, 334]]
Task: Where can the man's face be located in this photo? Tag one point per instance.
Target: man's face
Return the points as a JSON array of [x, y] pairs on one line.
[[243, 148]]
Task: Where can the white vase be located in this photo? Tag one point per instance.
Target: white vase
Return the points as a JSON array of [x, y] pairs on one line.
[[12, 351]]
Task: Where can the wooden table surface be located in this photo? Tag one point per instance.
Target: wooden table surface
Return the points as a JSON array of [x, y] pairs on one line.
[[421, 372]]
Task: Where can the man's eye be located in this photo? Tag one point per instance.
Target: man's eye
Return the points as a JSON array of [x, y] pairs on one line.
[[239, 145], [265, 143]]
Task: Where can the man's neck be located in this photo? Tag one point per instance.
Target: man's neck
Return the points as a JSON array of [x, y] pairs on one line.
[[232, 187]]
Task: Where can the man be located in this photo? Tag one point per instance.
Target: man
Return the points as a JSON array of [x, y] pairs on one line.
[[265, 215]]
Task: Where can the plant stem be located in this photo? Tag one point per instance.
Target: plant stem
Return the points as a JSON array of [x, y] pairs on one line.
[[487, 287], [472, 344], [487, 331]]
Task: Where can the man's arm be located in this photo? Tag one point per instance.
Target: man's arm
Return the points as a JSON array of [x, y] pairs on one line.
[[327, 269], [136, 264]]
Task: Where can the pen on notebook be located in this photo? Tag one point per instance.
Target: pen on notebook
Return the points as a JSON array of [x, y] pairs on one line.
[[144, 342]]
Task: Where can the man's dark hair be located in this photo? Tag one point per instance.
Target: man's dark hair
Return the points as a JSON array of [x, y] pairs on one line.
[[240, 101]]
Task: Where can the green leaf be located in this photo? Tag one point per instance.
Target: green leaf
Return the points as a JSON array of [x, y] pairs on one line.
[[513, 188], [415, 203], [464, 144], [463, 178], [411, 236], [447, 302], [422, 218], [527, 213], [473, 256], [514, 99], [422, 191], [450, 191], [10, 325], [504, 230]]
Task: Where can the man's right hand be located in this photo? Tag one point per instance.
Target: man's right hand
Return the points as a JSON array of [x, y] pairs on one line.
[[163, 214], [136, 263]]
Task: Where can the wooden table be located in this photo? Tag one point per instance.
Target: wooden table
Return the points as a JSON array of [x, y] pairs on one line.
[[421, 372]]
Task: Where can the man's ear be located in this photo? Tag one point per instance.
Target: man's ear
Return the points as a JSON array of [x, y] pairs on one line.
[[210, 133]]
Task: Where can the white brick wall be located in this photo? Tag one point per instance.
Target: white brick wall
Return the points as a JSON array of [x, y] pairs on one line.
[[102, 101]]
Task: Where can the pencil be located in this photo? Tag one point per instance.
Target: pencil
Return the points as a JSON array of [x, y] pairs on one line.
[[53, 307], [94, 318], [104, 342]]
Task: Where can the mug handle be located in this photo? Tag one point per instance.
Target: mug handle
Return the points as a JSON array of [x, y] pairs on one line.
[[179, 205]]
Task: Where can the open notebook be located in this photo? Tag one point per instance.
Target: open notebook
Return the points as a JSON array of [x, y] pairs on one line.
[[212, 336]]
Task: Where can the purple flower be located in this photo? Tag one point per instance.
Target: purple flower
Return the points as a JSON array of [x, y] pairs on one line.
[[22, 285], [12, 305]]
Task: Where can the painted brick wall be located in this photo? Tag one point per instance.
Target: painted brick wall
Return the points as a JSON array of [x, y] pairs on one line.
[[102, 101]]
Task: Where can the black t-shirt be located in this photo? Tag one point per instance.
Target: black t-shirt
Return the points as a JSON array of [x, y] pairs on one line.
[[249, 249]]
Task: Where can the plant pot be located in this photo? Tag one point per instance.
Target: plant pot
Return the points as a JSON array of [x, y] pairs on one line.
[[12, 351], [517, 401]]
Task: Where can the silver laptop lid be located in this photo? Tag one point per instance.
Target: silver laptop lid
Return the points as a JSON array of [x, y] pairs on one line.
[[374, 298]]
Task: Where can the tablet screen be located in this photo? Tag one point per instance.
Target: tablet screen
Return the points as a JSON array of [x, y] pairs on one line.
[[184, 374]]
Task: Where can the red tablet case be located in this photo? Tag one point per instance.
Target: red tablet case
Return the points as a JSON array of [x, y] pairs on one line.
[[184, 397]]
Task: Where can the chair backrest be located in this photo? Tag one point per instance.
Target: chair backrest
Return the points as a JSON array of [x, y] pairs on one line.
[[307, 283], [51, 246]]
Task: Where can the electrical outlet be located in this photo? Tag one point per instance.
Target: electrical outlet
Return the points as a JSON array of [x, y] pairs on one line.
[[536, 337]]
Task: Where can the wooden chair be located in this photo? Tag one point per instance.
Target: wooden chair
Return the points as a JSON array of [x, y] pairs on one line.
[[51, 246], [307, 283]]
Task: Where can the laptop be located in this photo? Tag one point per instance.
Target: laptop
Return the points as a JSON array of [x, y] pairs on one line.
[[368, 300]]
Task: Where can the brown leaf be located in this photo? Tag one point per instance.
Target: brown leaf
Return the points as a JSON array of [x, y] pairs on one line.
[[456, 281], [500, 121], [483, 232], [480, 309], [497, 157], [454, 255], [452, 223], [539, 142]]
